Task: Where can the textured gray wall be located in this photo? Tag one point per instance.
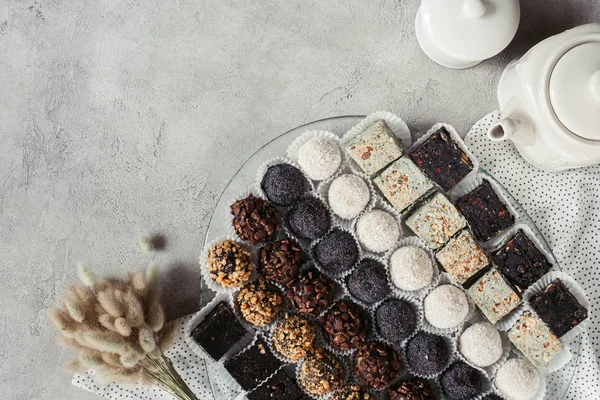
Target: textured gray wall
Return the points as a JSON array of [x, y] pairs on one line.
[[123, 117]]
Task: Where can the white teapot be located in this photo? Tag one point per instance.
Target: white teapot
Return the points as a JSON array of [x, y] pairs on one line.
[[550, 101]]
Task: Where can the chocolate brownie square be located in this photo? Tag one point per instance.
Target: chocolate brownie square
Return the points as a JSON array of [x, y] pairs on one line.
[[558, 308], [253, 366], [279, 387], [442, 160], [485, 212], [521, 262], [218, 331]]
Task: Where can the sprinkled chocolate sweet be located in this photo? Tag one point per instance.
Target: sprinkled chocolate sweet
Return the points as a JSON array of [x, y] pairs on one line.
[[311, 292], [278, 387], [309, 218], [344, 325], [280, 261], [351, 393], [396, 320], [259, 302], [321, 372], [461, 382], [337, 251], [376, 365], [229, 264], [255, 219], [293, 336], [413, 389], [253, 366], [368, 282], [492, 396], [283, 184], [427, 354]]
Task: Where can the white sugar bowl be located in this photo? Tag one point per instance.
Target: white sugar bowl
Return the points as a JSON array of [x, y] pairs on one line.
[[461, 33], [550, 101]]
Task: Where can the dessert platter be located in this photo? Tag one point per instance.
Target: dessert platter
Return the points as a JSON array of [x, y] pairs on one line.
[[346, 260]]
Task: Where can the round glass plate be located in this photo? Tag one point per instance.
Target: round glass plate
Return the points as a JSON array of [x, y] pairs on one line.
[[246, 176]]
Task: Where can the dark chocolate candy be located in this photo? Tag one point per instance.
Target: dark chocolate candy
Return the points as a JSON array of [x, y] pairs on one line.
[[309, 218], [337, 251], [279, 387], [396, 320], [427, 353], [368, 282], [253, 366], [461, 382], [283, 184], [412, 389]]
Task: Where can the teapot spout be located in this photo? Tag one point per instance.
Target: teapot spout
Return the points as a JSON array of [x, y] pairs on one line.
[[502, 130], [516, 127]]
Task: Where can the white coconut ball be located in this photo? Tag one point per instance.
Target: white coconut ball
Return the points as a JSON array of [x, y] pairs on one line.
[[348, 196], [319, 158], [518, 379], [377, 231], [481, 344], [411, 268], [446, 307]]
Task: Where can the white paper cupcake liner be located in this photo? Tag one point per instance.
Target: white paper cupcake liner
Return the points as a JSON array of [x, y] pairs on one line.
[[262, 169], [210, 283], [337, 276], [381, 205], [416, 242], [294, 148], [199, 317], [506, 346], [304, 242], [457, 139], [541, 392], [323, 191], [355, 299], [471, 183], [451, 350], [345, 368], [249, 325], [445, 279], [573, 287], [417, 309]]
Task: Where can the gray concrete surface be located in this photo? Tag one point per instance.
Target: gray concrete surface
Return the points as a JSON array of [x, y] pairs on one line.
[[124, 117]]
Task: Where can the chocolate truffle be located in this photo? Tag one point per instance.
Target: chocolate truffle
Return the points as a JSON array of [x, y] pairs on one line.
[[484, 211], [436, 221], [492, 396], [396, 320], [283, 184], [351, 393], [533, 338], [259, 302], [493, 296], [558, 308], [293, 336], [377, 231], [253, 366], [376, 365], [280, 261], [374, 148], [319, 158], [229, 264], [348, 196], [462, 257], [311, 292], [518, 379], [337, 251], [427, 354], [442, 159], [309, 218], [321, 372], [411, 268], [521, 262], [481, 344], [344, 325], [446, 307], [462, 382], [218, 331], [413, 389], [368, 282], [278, 387], [255, 219]]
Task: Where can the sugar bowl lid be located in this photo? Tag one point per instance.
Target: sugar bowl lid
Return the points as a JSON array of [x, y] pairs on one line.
[[471, 29], [574, 90]]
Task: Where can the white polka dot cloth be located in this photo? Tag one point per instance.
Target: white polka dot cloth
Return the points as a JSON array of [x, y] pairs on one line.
[[202, 377], [566, 209]]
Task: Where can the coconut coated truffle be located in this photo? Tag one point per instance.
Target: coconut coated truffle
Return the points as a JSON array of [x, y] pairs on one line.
[[377, 231], [319, 158], [446, 307], [517, 379], [481, 344], [348, 196], [411, 268]]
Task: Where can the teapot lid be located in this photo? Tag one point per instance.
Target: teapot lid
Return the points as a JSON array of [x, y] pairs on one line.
[[471, 29], [575, 90]]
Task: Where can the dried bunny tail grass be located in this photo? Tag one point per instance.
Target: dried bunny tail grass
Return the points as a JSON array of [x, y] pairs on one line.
[[167, 335], [68, 343], [130, 360], [86, 275], [152, 287], [112, 359], [155, 316], [74, 367], [101, 285], [134, 311], [109, 301], [107, 321], [107, 342], [138, 282], [63, 322], [147, 339], [123, 327], [74, 305], [91, 359]]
